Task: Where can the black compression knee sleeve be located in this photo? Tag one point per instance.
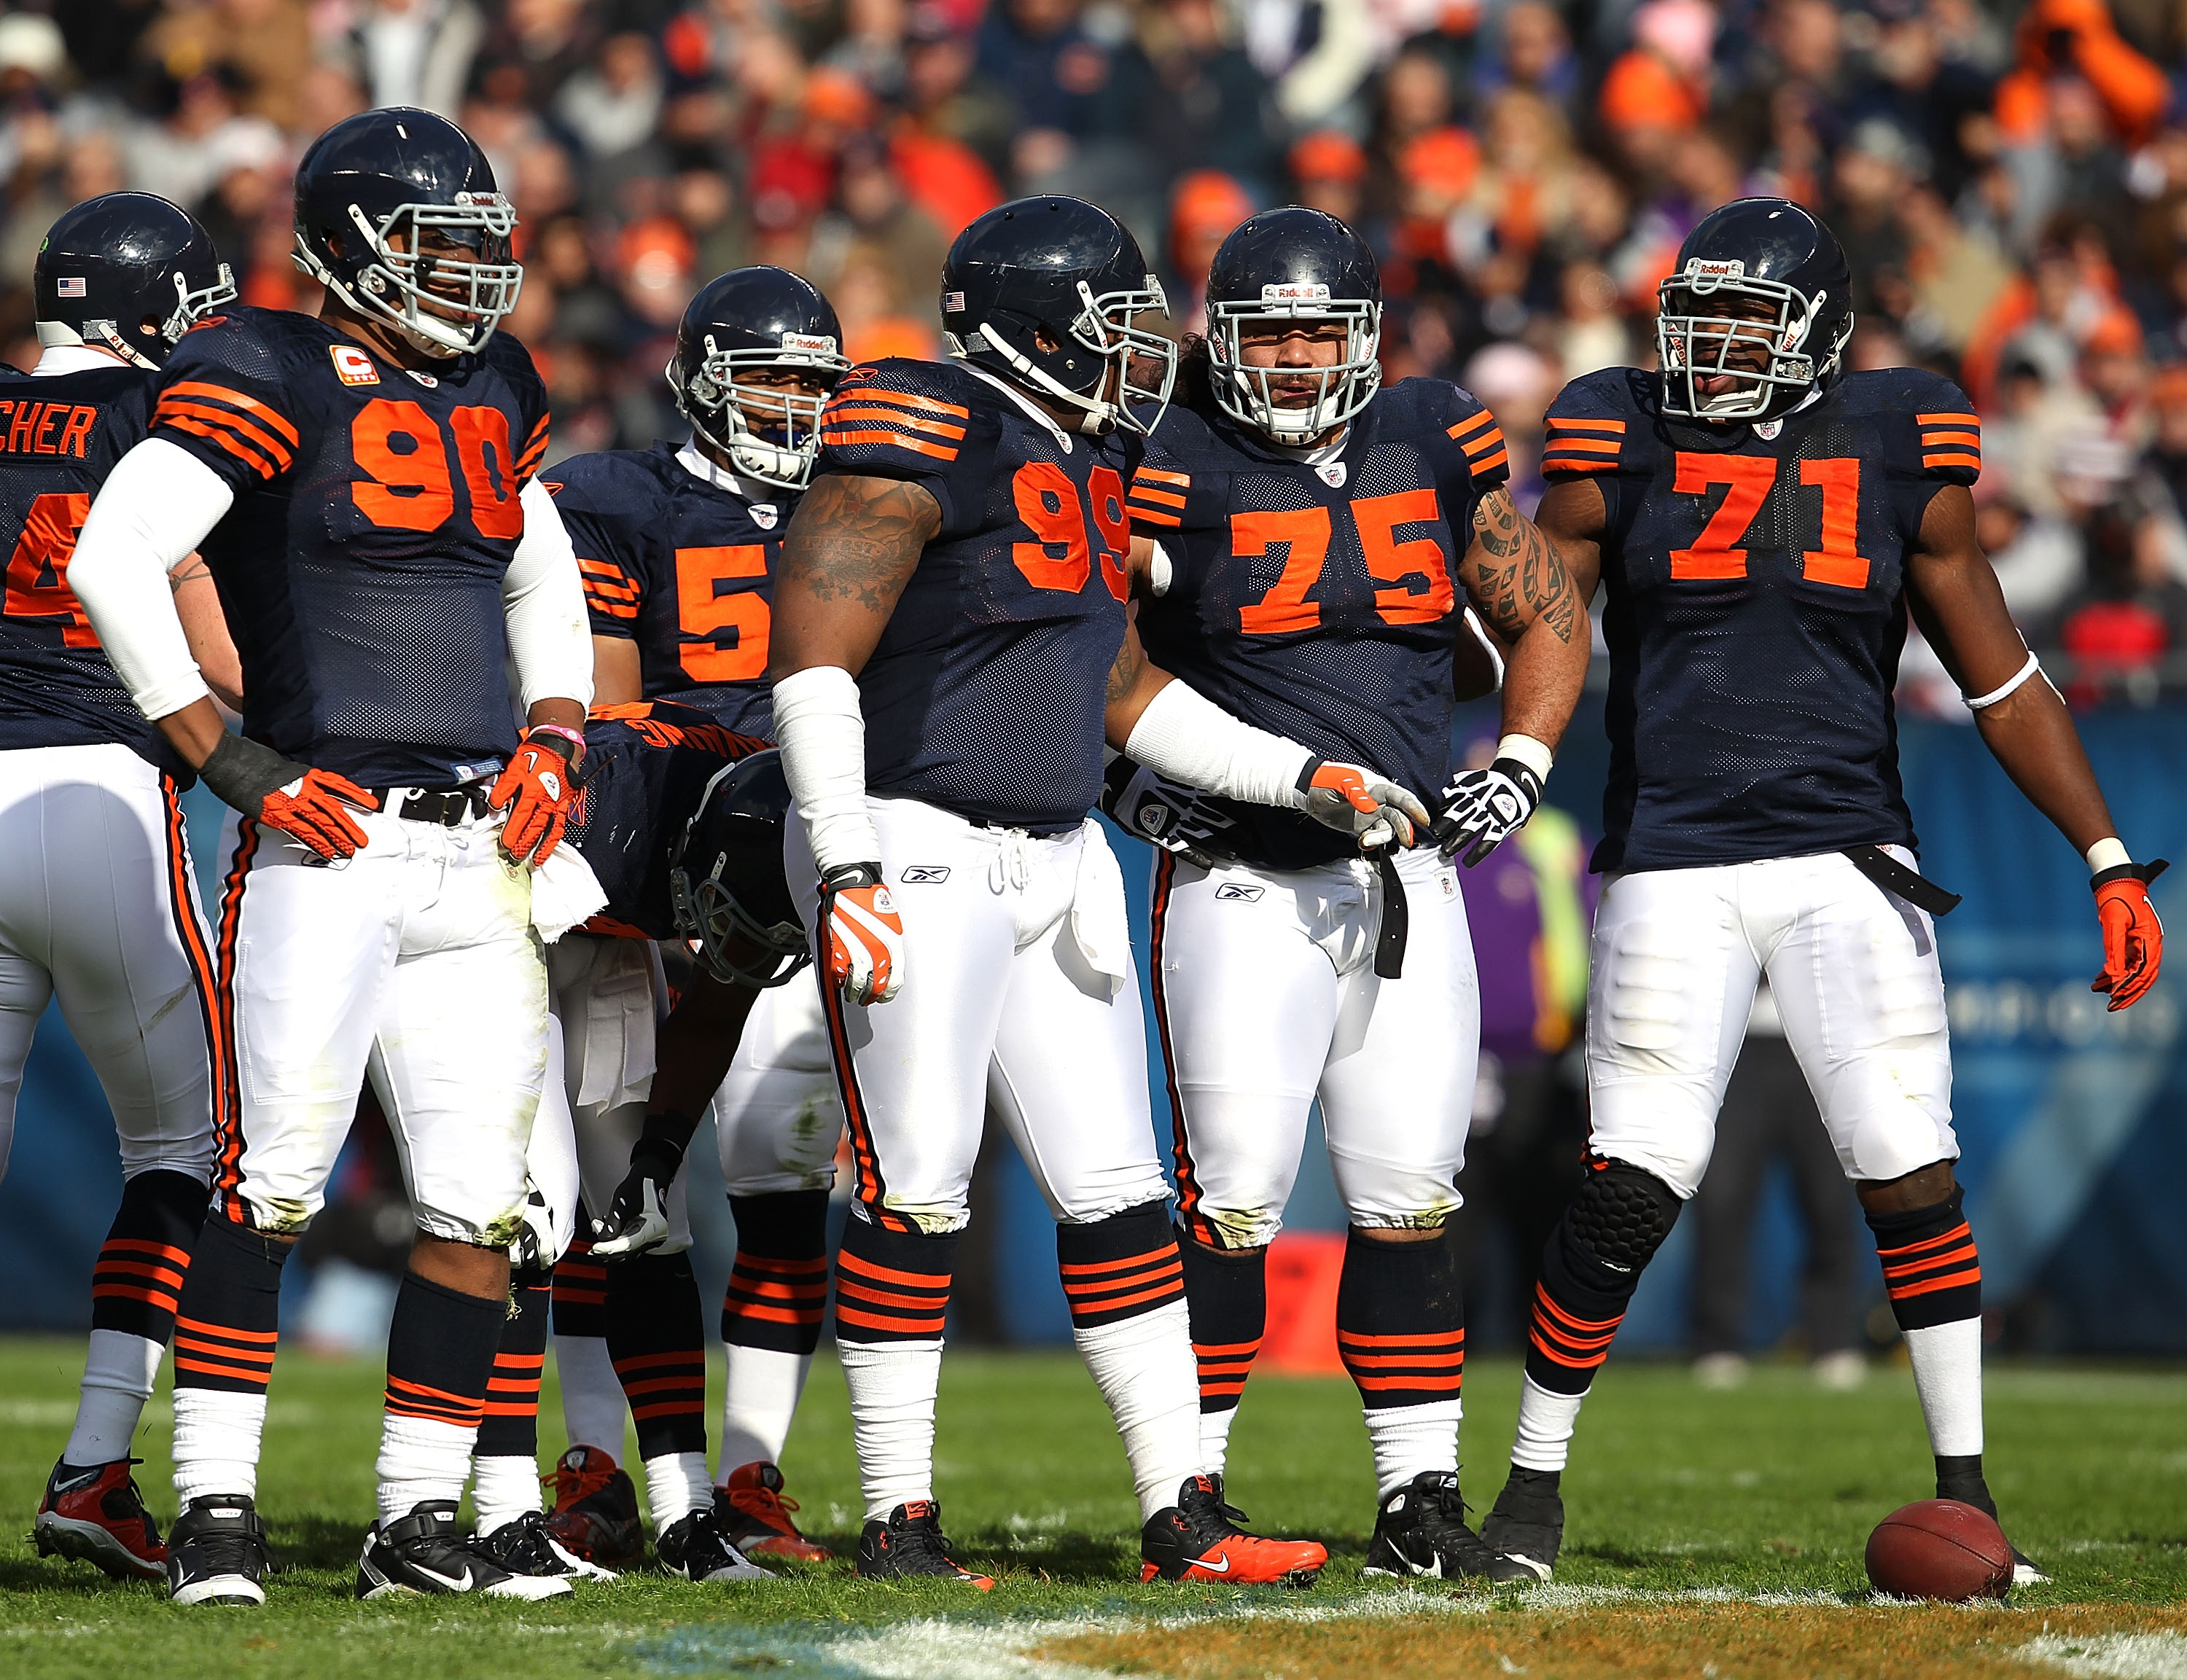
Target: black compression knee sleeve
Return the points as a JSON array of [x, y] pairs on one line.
[[1401, 1320], [1930, 1266], [1119, 1268], [440, 1352], [229, 1318], [137, 1282], [778, 1287], [1591, 1264], [893, 1285], [657, 1339], [1227, 1292], [510, 1427]]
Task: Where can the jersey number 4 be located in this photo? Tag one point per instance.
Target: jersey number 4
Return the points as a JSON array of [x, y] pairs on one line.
[[1305, 533], [1747, 481], [37, 571]]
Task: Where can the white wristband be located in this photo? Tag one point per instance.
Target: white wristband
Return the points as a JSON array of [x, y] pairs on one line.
[[1185, 737], [1529, 752], [2108, 854], [1983, 702], [822, 732]]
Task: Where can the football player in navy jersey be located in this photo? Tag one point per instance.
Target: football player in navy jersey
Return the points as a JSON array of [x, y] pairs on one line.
[[1318, 537], [360, 484], [678, 545], [99, 906], [679, 824], [1763, 522], [949, 629]]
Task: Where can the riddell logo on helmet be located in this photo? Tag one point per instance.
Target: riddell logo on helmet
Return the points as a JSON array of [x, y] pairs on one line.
[[816, 343], [1296, 291], [1715, 268]]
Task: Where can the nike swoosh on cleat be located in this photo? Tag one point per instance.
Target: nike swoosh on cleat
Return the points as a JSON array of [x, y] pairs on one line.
[[1223, 1568], [1541, 1571], [454, 1583]]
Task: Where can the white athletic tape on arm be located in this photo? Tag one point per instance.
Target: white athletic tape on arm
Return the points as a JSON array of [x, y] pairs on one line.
[[156, 506], [2108, 854], [1189, 738], [1529, 752], [822, 732], [1983, 702], [543, 602]]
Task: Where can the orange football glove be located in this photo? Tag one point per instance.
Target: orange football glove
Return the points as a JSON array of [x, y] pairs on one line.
[[2133, 938], [308, 805], [1353, 799], [537, 790], [865, 935]]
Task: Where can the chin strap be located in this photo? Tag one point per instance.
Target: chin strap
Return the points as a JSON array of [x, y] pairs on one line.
[[1101, 415]]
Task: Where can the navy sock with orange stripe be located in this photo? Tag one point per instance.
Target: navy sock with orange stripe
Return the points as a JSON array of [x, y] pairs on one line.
[[1227, 1292], [771, 1314], [227, 1327], [593, 1410], [441, 1348], [1400, 1333], [135, 1287], [505, 1463], [891, 1302], [657, 1337], [1933, 1274], [1125, 1282]]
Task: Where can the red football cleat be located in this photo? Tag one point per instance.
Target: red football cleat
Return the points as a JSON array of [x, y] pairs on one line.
[[95, 1514], [763, 1526], [595, 1514], [1198, 1539]]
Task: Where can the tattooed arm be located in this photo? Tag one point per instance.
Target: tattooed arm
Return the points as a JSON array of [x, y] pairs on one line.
[[1519, 584], [850, 547]]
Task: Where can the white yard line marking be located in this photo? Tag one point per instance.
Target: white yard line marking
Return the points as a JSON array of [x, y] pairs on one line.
[[2113, 1656]]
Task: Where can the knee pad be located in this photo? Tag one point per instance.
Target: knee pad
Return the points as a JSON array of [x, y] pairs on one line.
[[1622, 1213]]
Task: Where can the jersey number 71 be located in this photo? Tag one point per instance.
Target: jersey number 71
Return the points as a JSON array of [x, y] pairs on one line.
[[1747, 481]]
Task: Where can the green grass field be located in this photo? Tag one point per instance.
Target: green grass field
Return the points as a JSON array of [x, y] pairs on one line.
[[1707, 1498]]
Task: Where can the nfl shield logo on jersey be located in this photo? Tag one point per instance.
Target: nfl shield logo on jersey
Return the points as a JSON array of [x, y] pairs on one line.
[[764, 514]]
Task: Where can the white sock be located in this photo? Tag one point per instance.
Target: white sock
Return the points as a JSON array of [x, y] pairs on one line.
[[676, 1484], [217, 1437], [1409, 1440], [1546, 1422], [1948, 1376], [1215, 1439], [503, 1488], [592, 1405], [892, 1387], [761, 1400], [118, 1370], [1145, 1369], [421, 1459]]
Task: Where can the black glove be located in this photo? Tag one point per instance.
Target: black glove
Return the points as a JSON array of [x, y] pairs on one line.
[[1482, 808], [637, 1220], [1163, 813]]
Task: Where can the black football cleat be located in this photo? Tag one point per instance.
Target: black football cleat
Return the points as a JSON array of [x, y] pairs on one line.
[[428, 1554], [595, 1514], [1199, 1539], [1969, 1487], [93, 1513], [911, 1545], [697, 1546], [1527, 1526], [524, 1545], [1420, 1530], [216, 1552]]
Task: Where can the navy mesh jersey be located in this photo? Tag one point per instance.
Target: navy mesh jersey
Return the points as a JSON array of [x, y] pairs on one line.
[[646, 767], [985, 695], [1320, 602], [683, 568], [1756, 610], [60, 437], [375, 514]]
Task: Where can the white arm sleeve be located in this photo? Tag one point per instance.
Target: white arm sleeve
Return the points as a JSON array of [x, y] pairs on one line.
[[1187, 738], [822, 732], [158, 504], [542, 602]]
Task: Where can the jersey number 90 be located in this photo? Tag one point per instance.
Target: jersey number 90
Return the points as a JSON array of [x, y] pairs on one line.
[[411, 482]]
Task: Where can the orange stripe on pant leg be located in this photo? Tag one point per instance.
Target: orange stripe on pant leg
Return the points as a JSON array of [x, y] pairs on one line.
[[1188, 1185], [230, 1168], [865, 1164], [196, 953]]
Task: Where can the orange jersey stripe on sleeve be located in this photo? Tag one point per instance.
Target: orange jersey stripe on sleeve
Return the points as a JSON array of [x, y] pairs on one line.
[[939, 451]]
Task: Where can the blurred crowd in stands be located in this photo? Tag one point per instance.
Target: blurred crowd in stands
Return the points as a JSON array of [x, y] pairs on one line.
[[2011, 189]]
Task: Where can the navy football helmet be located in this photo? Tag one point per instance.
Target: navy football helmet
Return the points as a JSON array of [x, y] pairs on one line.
[[726, 882], [754, 318], [376, 187], [128, 272], [1294, 265], [1790, 336], [1067, 272]]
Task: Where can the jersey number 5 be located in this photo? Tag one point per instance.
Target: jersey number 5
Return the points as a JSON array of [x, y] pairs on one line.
[[411, 486], [37, 571], [1747, 481], [702, 611]]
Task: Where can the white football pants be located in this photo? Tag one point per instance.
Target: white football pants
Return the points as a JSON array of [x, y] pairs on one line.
[[1678, 954], [1266, 994]]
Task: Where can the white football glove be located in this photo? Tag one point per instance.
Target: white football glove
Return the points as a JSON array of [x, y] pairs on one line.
[[1353, 799], [1162, 812], [1482, 808]]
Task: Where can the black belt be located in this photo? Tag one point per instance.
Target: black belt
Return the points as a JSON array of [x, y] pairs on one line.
[[446, 807], [1896, 878], [1397, 919]]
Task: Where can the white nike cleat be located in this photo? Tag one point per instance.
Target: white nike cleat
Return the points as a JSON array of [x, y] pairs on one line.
[[425, 1554]]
